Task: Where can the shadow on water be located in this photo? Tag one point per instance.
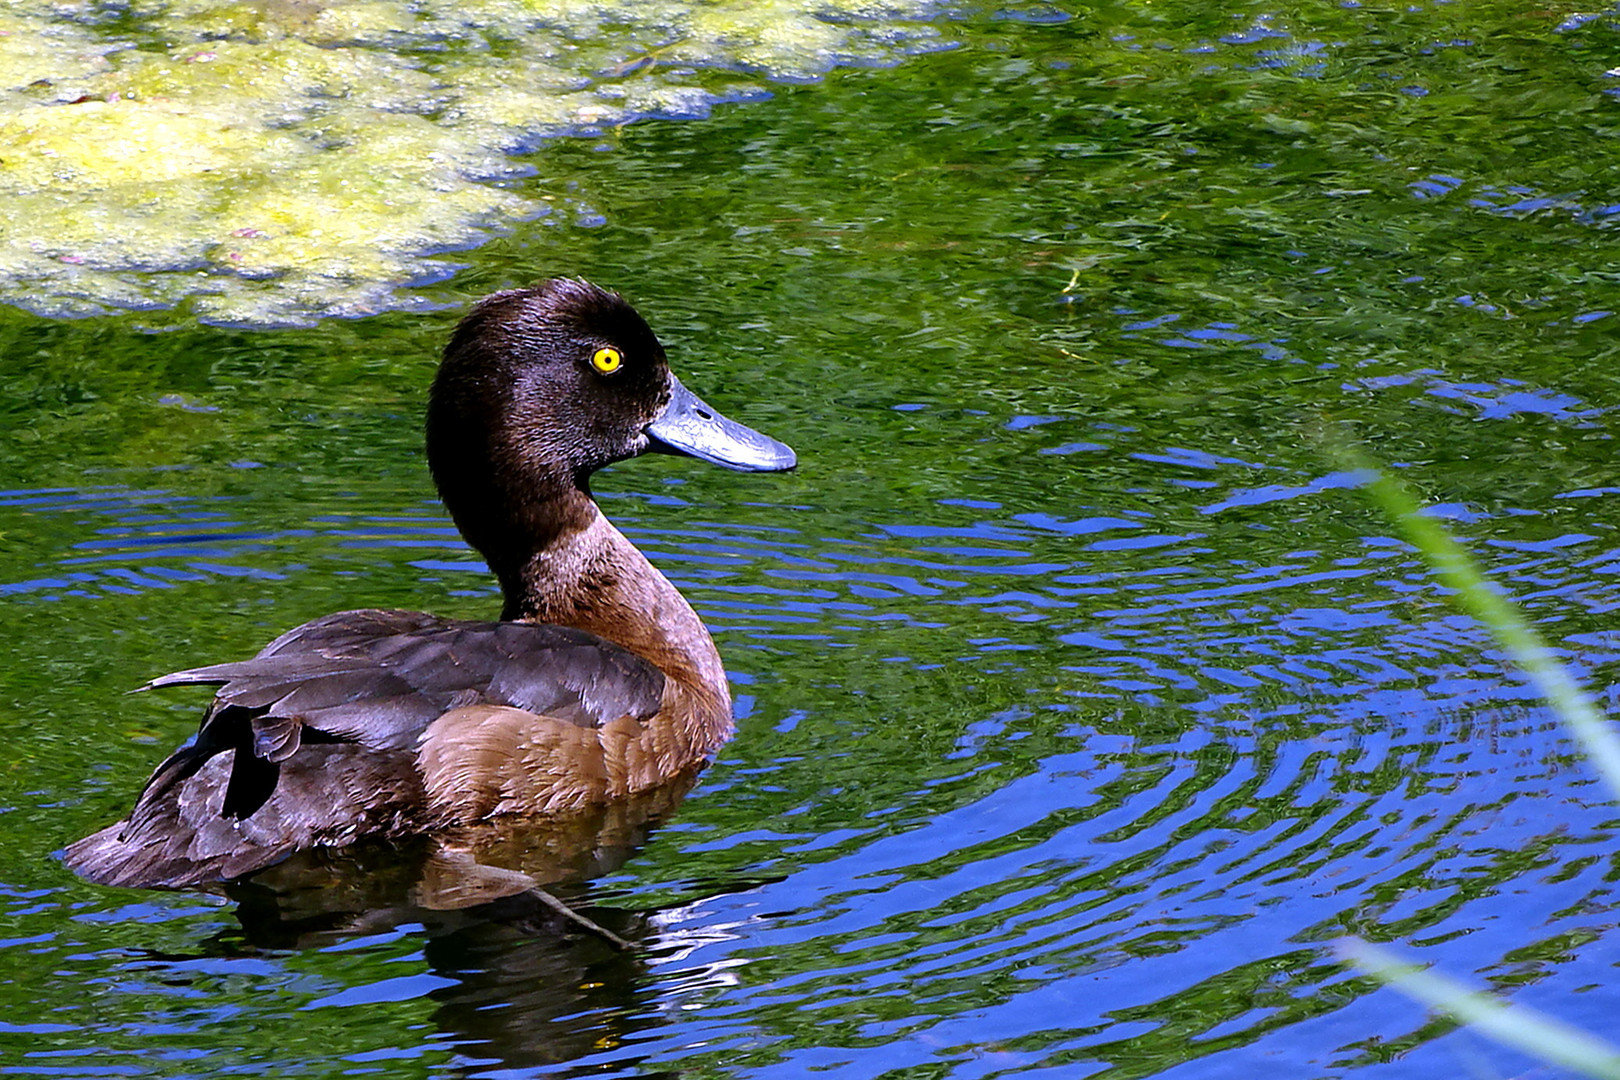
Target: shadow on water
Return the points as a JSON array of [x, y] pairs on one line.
[[523, 966]]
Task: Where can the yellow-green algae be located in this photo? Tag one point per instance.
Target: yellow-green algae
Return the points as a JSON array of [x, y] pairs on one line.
[[273, 162]]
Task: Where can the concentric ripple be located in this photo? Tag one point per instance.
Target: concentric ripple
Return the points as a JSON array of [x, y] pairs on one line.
[[1047, 770]]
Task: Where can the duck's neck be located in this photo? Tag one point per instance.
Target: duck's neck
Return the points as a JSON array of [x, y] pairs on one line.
[[590, 577]]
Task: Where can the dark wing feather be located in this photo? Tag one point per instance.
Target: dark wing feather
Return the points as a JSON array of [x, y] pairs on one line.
[[335, 794], [389, 722], [334, 704], [276, 738], [379, 677]]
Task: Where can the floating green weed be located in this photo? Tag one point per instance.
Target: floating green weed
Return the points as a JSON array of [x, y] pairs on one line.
[[276, 162]]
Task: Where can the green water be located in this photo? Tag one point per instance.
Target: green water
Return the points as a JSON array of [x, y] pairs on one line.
[[1082, 700]]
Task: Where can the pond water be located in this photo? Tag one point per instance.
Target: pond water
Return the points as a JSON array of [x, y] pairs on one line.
[[1083, 700]]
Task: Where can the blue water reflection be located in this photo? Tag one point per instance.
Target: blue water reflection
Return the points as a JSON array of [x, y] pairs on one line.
[[1082, 699]]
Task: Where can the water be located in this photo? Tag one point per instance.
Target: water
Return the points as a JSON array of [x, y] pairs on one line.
[[1083, 702]]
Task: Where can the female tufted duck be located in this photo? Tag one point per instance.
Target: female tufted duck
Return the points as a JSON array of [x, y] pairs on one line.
[[599, 681]]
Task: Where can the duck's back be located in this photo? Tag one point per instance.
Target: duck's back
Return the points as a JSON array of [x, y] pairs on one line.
[[380, 723]]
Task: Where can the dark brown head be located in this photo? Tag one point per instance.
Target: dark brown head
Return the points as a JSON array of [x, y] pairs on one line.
[[541, 387]]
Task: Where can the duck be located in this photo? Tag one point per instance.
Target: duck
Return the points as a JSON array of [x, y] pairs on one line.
[[598, 682]]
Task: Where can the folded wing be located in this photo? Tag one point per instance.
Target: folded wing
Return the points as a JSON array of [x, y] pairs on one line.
[[336, 708]]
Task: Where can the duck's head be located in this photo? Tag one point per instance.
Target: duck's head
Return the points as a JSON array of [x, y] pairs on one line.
[[541, 387]]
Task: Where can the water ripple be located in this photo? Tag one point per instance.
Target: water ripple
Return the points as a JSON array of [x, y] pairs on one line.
[[1141, 790]]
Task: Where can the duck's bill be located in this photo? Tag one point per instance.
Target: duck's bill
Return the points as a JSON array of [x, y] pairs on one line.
[[691, 428]]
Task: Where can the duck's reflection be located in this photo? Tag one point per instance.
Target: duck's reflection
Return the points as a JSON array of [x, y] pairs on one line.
[[527, 986]]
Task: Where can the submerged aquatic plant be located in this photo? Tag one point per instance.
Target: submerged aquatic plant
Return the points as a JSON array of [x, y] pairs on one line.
[[279, 161]]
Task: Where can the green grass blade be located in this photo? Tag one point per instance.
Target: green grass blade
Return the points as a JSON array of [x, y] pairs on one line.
[[1475, 594], [1513, 1025]]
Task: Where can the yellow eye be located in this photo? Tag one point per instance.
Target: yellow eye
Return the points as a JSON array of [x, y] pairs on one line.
[[607, 360]]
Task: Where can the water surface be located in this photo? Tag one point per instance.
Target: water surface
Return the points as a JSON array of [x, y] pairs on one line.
[[1083, 701]]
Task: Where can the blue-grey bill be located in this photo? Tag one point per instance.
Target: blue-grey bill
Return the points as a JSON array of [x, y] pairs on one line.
[[693, 429]]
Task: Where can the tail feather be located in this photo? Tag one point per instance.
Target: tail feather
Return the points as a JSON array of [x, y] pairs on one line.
[[181, 834]]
